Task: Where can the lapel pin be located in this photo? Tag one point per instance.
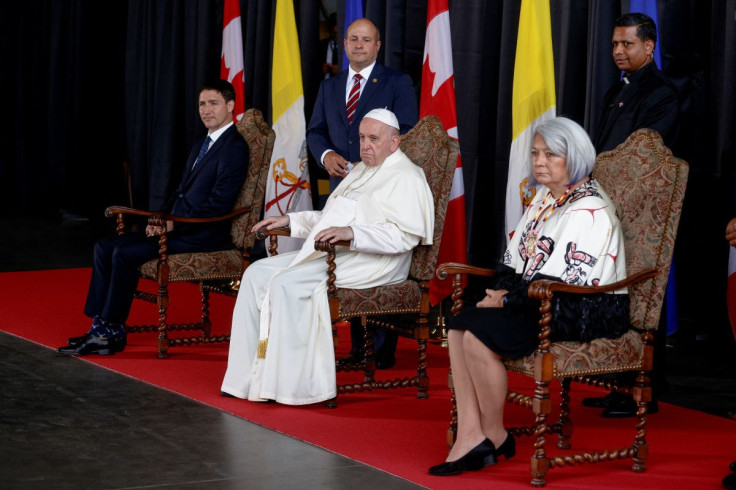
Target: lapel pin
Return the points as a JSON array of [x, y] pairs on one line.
[[621, 104], [375, 80]]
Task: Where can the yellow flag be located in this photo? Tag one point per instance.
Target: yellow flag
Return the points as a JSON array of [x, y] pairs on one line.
[[533, 101], [288, 186]]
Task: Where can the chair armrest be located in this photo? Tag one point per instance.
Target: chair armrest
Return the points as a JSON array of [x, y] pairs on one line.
[[330, 247], [543, 289], [159, 219], [458, 270], [121, 211], [273, 242]]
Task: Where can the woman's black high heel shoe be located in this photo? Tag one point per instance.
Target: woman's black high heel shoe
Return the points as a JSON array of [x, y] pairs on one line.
[[482, 455], [508, 448]]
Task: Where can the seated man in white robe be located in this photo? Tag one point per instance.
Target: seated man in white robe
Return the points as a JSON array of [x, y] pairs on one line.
[[281, 342]]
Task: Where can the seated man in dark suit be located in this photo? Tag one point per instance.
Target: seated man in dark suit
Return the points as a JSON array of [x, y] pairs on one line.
[[215, 172], [332, 134]]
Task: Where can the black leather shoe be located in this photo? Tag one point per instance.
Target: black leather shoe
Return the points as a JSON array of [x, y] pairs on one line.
[[627, 408], [732, 467], [385, 361], [74, 341], [604, 401], [732, 414], [729, 481], [476, 459], [94, 345], [355, 357], [507, 449]]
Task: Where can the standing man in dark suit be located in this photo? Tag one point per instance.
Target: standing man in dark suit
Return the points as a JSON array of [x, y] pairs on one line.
[[643, 98], [215, 172], [332, 134]]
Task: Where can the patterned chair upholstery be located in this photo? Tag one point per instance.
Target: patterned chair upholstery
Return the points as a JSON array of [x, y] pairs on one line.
[[429, 146], [403, 307], [647, 185], [210, 270]]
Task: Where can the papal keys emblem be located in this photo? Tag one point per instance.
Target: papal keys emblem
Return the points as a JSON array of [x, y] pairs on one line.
[[288, 187]]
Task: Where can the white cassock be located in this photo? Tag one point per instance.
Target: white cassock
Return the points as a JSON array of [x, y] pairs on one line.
[[282, 303]]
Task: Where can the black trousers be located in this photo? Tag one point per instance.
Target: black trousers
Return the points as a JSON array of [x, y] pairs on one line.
[[115, 271]]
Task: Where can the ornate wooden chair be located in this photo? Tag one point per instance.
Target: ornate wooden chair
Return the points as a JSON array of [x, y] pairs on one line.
[[647, 185], [407, 302], [210, 270]]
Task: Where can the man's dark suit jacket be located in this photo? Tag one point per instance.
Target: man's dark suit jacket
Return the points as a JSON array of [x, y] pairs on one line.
[[210, 189], [385, 89], [649, 100]]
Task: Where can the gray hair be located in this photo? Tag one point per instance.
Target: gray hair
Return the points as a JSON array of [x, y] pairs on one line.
[[568, 139]]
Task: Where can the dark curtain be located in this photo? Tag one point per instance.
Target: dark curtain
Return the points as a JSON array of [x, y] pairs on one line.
[[63, 132], [94, 84]]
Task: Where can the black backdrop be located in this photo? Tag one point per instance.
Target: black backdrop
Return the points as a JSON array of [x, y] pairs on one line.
[[91, 85]]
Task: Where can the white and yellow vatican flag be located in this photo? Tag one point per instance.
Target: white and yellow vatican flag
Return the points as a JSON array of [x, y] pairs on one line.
[[533, 102], [288, 186]]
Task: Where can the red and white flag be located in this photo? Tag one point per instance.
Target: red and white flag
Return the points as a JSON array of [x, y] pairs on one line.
[[438, 98], [231, 63]]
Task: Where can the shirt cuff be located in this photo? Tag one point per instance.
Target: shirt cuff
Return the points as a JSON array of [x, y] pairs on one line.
[[322, 158]]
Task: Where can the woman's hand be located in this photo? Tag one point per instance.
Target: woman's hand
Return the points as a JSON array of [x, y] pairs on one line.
[[493, 299]]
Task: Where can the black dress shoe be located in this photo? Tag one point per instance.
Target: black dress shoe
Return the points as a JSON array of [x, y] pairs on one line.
[[385, 360], [732, 414], [604, 401], [732, 467], [729, 481], [507, 449], [354, 357], [476, 459], [627, 408], [94, 345], [77, 341], [73, 341]]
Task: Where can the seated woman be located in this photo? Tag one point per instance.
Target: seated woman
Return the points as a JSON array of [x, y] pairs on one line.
[[568, 233]]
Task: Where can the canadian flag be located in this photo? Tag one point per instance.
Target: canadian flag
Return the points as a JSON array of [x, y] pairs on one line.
[[438, 98], [231, 63]]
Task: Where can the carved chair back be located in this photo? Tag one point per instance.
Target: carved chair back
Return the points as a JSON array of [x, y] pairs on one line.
[[428, 145], [260, 139], [647, 185]]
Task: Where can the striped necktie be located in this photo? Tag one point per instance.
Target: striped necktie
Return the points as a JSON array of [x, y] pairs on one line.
[[202, 151], [352, 104]]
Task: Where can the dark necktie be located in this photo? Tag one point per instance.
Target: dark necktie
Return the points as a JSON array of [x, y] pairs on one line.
[[202, 151], [353, 97]]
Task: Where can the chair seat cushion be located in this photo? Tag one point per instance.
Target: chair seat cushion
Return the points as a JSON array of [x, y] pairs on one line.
[[402, 297], [597, 357], [224, 264]]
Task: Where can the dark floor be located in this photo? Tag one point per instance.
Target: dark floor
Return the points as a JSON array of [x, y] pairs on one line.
[[59, 430], [76, 425]]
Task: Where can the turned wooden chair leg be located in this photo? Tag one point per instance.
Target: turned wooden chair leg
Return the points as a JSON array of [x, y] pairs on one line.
[[565, 422]]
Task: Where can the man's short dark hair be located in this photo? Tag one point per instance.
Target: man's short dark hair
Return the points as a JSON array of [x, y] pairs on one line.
[[223, 86], [646, 28]]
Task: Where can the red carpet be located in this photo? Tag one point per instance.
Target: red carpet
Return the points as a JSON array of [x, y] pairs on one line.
[[390, 430]]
